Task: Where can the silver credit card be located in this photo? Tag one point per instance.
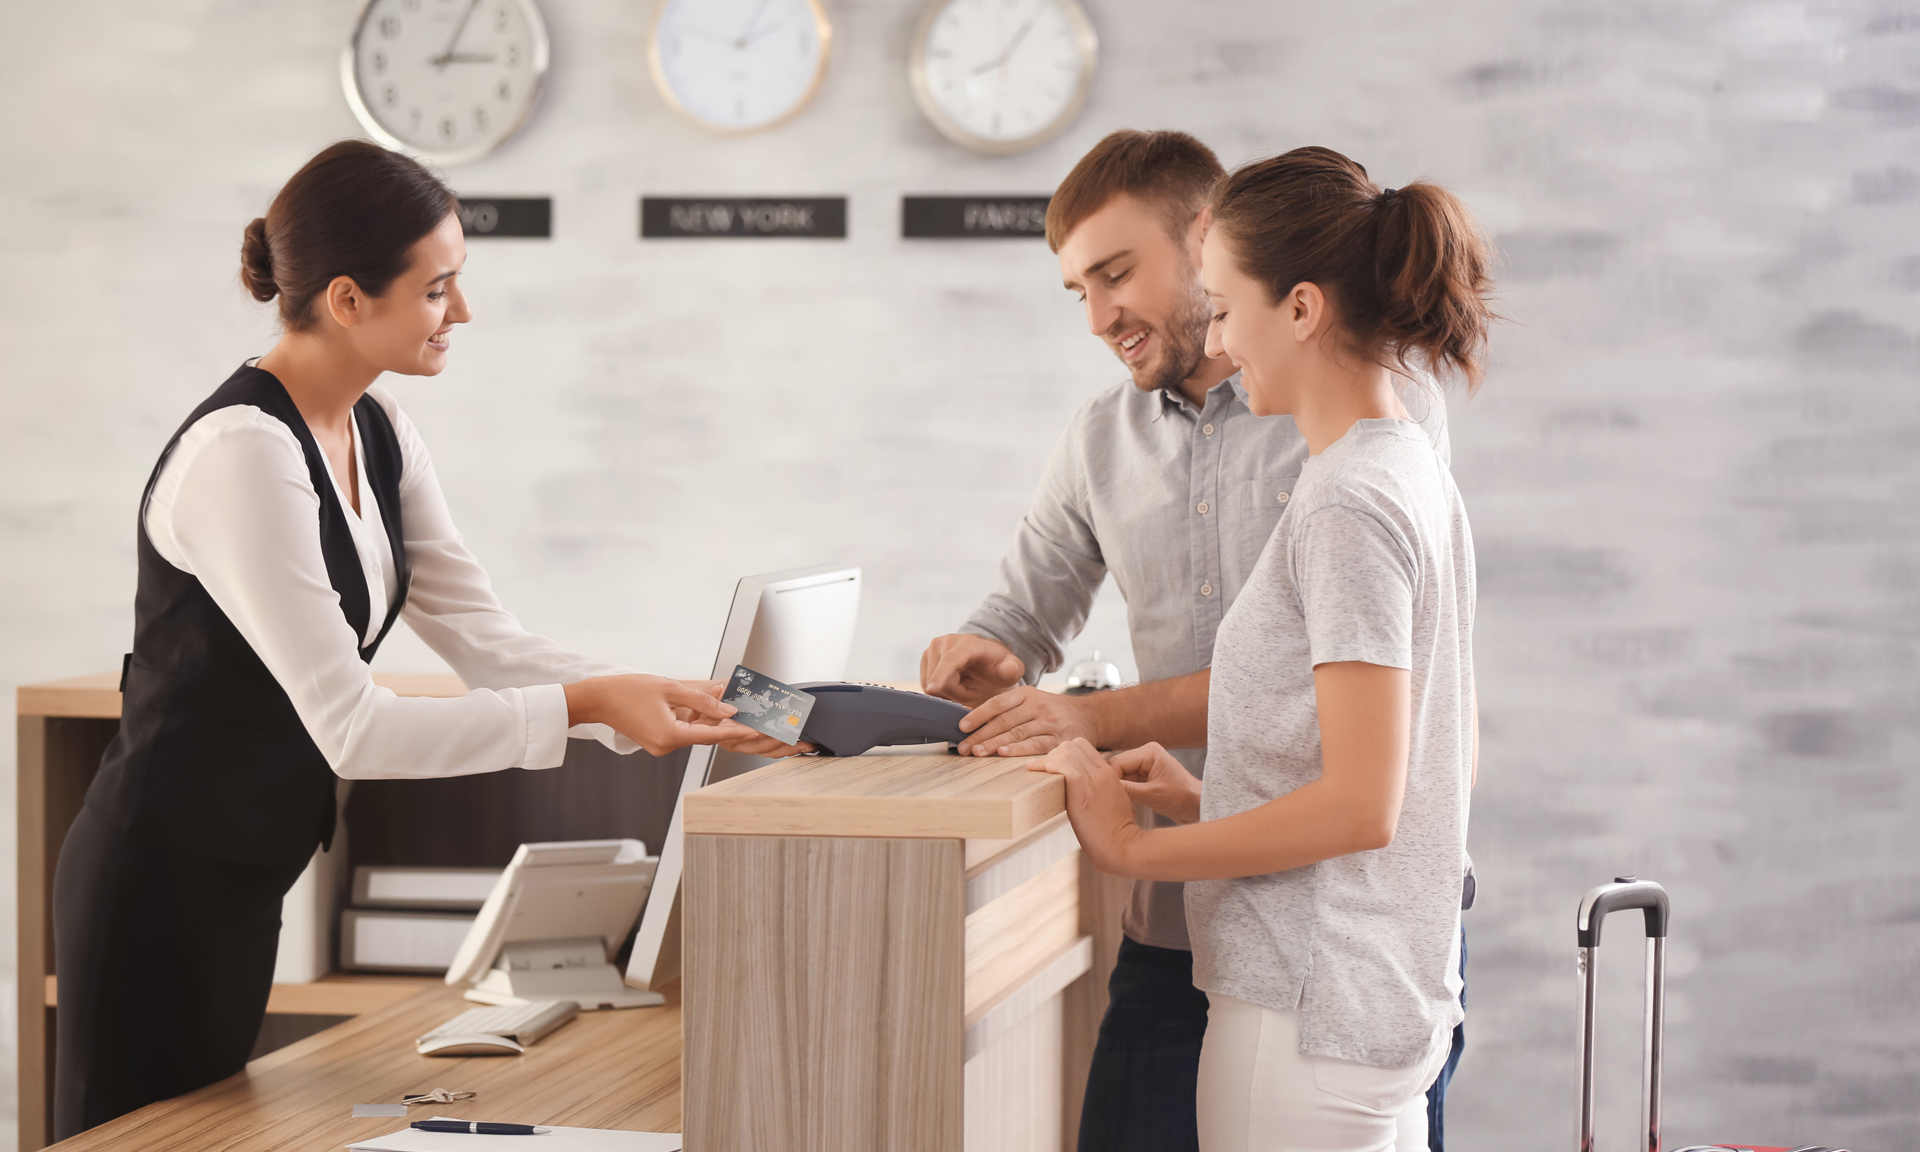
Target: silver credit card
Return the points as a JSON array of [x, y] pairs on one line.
[[768, 706]]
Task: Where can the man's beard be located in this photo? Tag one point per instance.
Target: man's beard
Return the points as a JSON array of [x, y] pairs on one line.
[[1185, 339]]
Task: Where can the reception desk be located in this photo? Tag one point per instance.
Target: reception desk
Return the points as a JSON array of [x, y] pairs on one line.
[[881, 952], [889, 952]]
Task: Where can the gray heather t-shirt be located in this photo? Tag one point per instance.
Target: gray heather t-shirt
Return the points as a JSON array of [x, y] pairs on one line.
[[1176, 504], [1372, 561]]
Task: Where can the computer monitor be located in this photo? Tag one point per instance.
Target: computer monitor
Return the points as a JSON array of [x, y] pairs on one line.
[[792, 626]]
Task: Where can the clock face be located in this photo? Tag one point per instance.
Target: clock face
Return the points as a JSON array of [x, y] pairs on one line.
[[738, 65], [1003, 75], [445, 79]]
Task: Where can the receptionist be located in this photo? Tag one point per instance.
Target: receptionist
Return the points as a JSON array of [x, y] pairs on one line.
[[293, 518]]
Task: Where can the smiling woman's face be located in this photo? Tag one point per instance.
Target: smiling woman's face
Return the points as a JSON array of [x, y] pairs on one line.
[[408, 330], [1249, 329]]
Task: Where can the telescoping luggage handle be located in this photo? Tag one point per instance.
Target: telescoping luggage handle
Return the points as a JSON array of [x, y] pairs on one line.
[[1625, 893]]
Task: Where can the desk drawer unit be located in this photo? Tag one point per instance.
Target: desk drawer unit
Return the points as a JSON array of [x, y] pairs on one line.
[[867, 993]]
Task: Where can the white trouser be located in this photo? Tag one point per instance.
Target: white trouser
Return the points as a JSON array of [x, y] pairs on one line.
[[1259, 1094]]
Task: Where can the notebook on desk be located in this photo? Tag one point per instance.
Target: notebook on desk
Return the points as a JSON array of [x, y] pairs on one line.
[[558, 1140]]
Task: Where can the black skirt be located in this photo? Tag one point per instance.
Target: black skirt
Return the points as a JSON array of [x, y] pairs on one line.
[[165, 960]]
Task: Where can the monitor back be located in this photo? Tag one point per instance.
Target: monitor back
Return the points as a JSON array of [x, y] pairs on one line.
[[793, 626]]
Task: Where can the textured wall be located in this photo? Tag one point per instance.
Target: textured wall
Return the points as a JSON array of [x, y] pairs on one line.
[[1691, 473]]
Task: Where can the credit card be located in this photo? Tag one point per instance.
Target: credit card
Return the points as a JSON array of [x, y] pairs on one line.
[[766, 705]]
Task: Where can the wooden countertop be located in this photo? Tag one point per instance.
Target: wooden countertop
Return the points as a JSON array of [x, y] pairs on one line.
[[912, 796], [603, 1070]]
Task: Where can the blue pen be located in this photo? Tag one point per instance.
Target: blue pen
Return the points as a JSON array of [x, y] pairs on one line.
[[479, 1128]]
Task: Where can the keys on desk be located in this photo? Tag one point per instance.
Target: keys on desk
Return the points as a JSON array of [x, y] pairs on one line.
[[524, 1024]]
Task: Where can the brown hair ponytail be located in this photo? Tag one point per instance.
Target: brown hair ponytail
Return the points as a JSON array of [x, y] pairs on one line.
[[1406, 269], [355, 210]]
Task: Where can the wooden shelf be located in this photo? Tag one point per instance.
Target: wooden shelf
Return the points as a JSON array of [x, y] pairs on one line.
[[97, 697], [961, 797]]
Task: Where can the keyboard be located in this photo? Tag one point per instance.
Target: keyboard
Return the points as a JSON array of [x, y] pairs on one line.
[[524, 1024]]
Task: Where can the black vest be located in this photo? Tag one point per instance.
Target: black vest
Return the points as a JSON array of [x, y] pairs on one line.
[[211, 757]]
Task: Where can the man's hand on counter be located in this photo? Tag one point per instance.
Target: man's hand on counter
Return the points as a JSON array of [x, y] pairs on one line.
[[1026, 721], [968, 669]]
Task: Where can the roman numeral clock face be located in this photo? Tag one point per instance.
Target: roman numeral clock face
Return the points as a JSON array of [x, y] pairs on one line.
[[734, 66], [1002, 76], [448, 80]]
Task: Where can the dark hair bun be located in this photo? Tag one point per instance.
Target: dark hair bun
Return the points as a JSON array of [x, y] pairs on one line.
[[256, 262]]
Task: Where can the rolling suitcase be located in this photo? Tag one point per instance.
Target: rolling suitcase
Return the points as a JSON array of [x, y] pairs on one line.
[[1628, 893]]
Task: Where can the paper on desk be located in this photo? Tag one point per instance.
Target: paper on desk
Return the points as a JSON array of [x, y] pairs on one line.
[[558, 1140]]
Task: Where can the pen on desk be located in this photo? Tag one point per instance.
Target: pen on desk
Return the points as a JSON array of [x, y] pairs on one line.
[[478, 1128]]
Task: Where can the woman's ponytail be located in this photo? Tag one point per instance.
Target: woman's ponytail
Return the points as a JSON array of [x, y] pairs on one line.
[[256, 262], [1430, 272], [1406, 268]]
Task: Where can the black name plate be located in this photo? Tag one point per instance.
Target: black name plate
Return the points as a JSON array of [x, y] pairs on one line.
[[973, 217], [506, 216], [743, 217]]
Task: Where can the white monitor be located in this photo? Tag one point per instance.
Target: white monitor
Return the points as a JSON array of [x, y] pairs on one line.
[[793, 626], [552, 923]]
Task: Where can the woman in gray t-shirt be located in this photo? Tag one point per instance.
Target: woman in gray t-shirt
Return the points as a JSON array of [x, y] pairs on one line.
[[1327, 846]]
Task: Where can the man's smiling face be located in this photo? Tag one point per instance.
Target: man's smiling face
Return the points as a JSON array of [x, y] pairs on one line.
[[1141, 289]]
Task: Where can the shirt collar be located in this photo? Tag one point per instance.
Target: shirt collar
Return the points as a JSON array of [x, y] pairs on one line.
[[1170, 398]]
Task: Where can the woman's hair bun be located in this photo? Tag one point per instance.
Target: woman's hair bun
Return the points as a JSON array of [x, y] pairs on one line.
[[256, 262]]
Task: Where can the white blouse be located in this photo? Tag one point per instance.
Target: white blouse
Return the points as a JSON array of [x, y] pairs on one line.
[[235, 507]]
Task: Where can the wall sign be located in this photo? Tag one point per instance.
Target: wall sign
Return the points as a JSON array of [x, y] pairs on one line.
[[743, 217], [491, 216], [973, 217]]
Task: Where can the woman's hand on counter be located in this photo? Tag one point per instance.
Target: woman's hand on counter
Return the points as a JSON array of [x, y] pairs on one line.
[[1097, 804], [1154, 778], [659, 714]]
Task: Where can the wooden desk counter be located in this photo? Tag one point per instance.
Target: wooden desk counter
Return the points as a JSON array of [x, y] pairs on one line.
[[604, 1070], [889, 952]]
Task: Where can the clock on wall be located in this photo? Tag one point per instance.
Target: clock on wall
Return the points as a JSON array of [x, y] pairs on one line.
[[448, 80], [1001, 76], [734, 66]]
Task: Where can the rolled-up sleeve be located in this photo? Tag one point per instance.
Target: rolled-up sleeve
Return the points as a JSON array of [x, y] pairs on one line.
[[1050, 575]]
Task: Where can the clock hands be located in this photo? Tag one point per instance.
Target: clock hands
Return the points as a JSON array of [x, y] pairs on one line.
[[1006, 53], [468, 58], [441, 61], [746, 34]]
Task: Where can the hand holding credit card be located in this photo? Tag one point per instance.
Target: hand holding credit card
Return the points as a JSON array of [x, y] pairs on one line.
[[766, 705]]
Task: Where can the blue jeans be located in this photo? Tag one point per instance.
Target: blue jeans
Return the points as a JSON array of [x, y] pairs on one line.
[[1437, 1095], [1146, 1062]]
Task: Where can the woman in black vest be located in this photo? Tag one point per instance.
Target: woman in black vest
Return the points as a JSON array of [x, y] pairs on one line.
[[289, 522]]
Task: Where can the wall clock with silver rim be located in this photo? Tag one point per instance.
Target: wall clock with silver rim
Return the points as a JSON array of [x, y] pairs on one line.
[[738, 66], [447, 80], [1002, 76]]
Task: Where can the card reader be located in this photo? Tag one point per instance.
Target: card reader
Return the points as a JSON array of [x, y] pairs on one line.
[[848, 719]]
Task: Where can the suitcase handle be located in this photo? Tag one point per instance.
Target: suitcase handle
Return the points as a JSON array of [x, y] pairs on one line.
[[1625, 893]]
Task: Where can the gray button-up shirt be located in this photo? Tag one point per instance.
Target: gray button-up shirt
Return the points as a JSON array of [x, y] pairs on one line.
[[1177, 504]]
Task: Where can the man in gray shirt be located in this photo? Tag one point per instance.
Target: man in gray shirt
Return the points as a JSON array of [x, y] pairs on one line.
[[1173, 486]]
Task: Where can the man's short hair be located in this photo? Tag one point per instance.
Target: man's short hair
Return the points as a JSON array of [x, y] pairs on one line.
[[1167, 170]]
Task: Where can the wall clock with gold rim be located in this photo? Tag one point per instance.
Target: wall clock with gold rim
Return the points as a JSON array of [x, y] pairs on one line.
[[1002, 76], [738, 66]]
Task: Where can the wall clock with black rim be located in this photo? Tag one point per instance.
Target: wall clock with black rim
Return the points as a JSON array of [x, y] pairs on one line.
[[738, 66], [446, 80], [1002, 76]]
